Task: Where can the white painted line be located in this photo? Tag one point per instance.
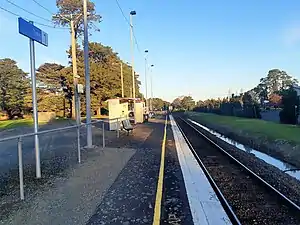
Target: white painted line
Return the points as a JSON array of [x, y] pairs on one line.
[[205, 207]]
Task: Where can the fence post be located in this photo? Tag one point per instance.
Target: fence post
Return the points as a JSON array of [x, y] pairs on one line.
[[21, 178], [118, 128], [78, 122], [78, 143], [103, 137]]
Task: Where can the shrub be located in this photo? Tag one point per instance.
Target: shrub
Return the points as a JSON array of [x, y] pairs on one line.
[[290, 101]]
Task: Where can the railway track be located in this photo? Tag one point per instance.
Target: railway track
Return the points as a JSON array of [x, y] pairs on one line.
[[246, 197]]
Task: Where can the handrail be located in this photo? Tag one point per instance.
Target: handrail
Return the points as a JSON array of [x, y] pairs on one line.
[[52, 130], [77, 126]]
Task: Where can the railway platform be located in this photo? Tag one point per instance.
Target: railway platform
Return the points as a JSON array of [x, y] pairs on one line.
[[148, 177]]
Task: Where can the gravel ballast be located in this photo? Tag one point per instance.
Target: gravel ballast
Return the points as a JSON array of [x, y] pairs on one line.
[[262, 207], [286, 184], [281, 149]]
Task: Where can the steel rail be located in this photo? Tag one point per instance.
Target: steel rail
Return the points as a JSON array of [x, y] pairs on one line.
[[232, 216], [281, 195]]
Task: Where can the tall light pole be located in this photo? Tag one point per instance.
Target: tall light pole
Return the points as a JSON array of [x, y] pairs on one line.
[[87, 78], [151, 87], [146, 68], [132, 13], [122, 81]]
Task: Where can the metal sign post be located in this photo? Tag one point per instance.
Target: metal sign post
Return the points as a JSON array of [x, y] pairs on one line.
[[34, 34], [34, 105]]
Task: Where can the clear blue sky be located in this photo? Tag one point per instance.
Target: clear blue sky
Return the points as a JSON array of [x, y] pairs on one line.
[[201, 48]]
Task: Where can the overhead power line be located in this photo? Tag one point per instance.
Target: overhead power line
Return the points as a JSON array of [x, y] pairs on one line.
[[136, 42], [45, 8], [6, 10], [25, 10], [121, 10], [41, 24], [95, 27], [126, 19]]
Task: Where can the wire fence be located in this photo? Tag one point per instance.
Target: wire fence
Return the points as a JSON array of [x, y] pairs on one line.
[[114, 124]]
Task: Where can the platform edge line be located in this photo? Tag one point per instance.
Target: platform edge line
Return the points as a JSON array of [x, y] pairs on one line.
[[157, 208]]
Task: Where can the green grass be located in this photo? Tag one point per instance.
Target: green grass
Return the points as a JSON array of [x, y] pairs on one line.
[[9, 124], [267, 129]]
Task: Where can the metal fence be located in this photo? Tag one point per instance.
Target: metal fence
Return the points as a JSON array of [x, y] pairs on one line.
[[77, 127]]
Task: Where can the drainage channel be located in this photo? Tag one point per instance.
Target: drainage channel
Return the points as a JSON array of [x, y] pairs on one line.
[[283, 166]]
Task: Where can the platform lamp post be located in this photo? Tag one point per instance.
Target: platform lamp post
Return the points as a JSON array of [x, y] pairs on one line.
[[132, 13], [122, 79], [146, 68], [151, 87], [87, 77]]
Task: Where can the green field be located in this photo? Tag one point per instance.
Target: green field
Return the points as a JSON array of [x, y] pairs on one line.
[[267, 129], [9, 124]]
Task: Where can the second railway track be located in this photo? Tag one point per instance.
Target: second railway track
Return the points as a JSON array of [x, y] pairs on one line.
[[251, 200]]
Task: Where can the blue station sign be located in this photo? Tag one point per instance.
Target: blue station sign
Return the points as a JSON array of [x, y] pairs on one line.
[[29, 30]]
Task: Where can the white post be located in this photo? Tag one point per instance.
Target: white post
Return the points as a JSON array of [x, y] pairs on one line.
[[21, 179], [118, 127], [78, 122], [103, 137]]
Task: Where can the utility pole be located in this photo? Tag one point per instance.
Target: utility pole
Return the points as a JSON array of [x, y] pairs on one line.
[[75, 75], [75, 81], [76, 103], [122, 81], [87, 77]]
